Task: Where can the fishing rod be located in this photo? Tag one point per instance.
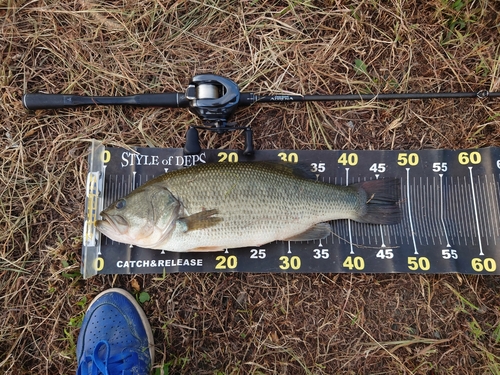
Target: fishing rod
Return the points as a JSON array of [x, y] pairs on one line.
[[214, 99]]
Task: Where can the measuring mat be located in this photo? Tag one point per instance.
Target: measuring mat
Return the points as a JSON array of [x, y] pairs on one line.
[[449, 200]]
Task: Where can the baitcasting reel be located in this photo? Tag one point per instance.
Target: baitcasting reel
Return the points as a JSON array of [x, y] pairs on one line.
[[214, 99]]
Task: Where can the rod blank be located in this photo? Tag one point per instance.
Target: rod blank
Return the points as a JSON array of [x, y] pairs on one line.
[[349, 97]]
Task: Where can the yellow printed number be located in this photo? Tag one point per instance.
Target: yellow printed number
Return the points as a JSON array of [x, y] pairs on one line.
[[232, 157], [98, 264], [292, 157], [348, 159], [488, 264], [230, 262], [106, 156], [357, 263], [473, 157], [286, 262], [421, 263], [407, 159]]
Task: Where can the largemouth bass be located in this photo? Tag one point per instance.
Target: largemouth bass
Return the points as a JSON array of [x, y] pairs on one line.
[[211, 207]]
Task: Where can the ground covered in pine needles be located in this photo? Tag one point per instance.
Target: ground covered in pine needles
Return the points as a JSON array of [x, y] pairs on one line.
[[240, 323]]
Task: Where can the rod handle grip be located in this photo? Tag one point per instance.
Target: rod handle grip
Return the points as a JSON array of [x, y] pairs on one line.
[[47, 101], [53, 101]]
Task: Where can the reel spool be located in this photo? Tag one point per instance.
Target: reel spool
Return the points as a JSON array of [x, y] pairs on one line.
[[207, 91]]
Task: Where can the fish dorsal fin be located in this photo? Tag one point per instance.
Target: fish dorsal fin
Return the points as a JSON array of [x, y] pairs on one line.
[[316, 232], [200, 220]]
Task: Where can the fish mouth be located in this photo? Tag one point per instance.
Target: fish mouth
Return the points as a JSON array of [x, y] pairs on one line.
[[111, 224]]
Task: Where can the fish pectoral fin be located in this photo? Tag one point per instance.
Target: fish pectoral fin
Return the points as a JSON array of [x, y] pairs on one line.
[[200, 220], [316, 232]]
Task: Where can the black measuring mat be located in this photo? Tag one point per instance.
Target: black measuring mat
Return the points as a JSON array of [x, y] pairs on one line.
[[450, 205]]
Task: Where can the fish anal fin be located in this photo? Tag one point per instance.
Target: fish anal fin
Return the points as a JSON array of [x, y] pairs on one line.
[[316, 232], [200, 220]]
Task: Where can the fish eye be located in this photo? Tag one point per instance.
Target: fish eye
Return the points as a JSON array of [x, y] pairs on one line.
[[120, 204]]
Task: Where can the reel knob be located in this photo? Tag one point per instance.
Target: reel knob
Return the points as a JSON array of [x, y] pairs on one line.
[[192, 146]]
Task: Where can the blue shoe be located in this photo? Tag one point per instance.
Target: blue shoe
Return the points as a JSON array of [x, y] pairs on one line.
[[115, 337]]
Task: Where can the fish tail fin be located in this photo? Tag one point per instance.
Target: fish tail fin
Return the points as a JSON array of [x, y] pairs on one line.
[[382, 201]]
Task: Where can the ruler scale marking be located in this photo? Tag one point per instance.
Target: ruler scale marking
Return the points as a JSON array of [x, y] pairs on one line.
[[485, 214], [435, 227], [495, 216], [431, 227], [422, 226], [410, 215], [476, 216], [493, 212], [438, 234], [493, 198], [441, 213], [448, 202], [465, 213]]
